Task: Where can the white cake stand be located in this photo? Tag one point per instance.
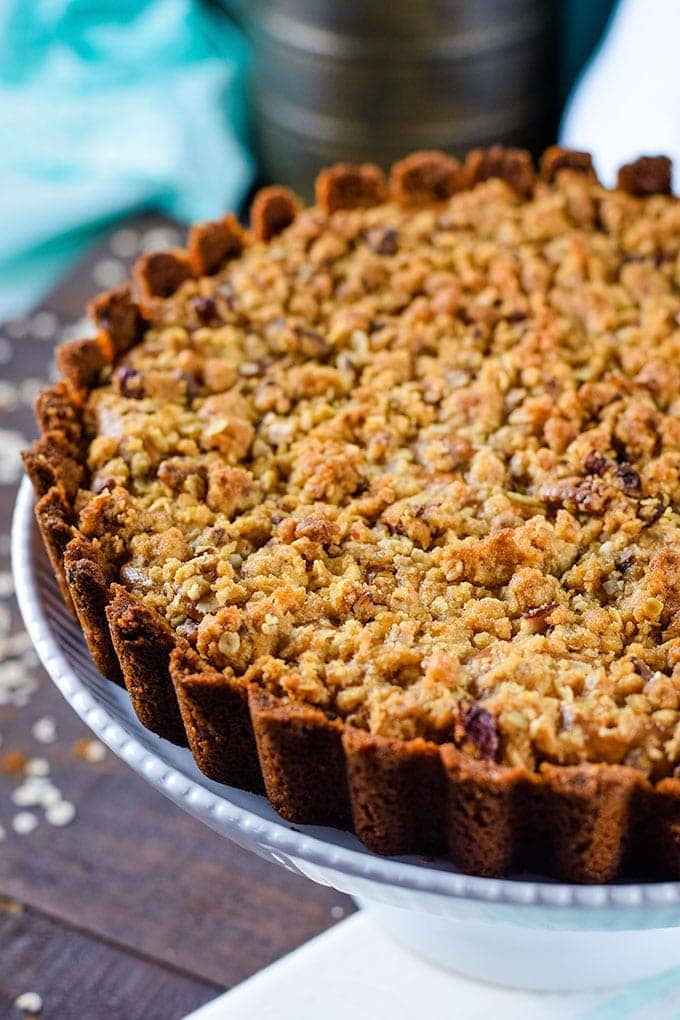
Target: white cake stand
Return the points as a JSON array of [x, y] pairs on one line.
[[524, 934]]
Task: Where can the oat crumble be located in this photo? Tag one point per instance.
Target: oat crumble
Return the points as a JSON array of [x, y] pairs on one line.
[[420, 467]]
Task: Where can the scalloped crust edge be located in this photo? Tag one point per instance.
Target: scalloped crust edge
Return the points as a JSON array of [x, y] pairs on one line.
[[219, 729], [585, 823], [88, 578], [143, 642]]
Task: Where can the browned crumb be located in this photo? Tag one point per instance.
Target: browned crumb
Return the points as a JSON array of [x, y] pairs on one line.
[[648, 175], [80, 747], [13, 762], [425, 177], [89, 750], [347, 186]]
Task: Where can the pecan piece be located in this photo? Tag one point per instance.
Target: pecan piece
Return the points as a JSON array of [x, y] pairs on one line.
[[318, 528], [589, 495]]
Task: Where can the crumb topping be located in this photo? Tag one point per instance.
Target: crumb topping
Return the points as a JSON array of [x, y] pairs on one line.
[[420, 467]]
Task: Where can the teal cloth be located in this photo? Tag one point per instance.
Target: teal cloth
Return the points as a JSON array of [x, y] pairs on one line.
[[108, 106]]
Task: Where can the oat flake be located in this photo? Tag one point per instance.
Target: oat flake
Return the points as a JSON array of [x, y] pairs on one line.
[[61, 813], [24, 822], [29, 1002], [44, 730]]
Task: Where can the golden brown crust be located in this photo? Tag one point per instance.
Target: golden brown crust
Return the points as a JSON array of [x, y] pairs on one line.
[[52, 460], [211, 244], [648, 175], [350, 186], [664, 862], [656, 834], [55, 520], [556, 158], [81, 362], [143, 643], [56, 410], [217, 721], [428, 176], [484, 813], [583, 822], [119, 316], [397, 793], [302, 761], [159, 274], [88, 578], [273, 209], [514, 166], [590, 819]]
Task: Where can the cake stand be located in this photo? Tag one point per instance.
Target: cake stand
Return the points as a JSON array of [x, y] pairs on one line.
[[524, 933]]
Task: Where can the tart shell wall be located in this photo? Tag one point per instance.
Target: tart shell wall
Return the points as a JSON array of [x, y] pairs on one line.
[[585, 823]]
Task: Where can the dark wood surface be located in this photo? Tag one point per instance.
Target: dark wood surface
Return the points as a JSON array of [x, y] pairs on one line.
[[135, 909], [88, 977]]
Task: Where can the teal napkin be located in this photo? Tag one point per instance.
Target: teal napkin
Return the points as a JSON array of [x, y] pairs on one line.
[[108, 106]]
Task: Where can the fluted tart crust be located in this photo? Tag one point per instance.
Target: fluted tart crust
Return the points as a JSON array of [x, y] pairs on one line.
[[375, 505]]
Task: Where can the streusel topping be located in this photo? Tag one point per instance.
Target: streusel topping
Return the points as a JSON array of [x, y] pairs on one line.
[[421, 468]]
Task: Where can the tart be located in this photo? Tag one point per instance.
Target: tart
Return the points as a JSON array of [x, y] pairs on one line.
[[374, 505]]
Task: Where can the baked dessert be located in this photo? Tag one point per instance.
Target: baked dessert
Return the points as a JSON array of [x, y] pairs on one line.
[[375, 505]]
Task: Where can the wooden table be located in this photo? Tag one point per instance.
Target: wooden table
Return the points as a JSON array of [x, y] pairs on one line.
[[134, 911]]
